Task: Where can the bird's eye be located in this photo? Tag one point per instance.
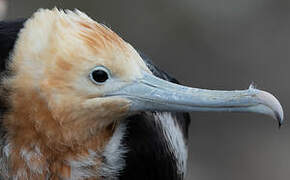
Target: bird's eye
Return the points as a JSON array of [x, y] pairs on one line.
[[99, 75]]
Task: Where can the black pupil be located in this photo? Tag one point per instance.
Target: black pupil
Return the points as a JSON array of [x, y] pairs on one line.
[[99, 76]]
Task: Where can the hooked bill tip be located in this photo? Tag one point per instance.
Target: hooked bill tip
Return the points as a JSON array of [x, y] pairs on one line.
[[279, 119], [275, 106]]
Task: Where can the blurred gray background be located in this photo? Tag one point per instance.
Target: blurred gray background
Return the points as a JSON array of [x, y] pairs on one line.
[[215, 44]]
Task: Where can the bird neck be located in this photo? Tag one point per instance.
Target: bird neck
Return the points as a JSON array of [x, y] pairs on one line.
[[37, 146], [36, 159], [37, 162]]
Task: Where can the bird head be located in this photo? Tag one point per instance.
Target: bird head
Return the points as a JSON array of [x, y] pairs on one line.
[[73, 77]]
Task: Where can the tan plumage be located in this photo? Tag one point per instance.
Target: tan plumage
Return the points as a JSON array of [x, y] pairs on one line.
[[52, 58]]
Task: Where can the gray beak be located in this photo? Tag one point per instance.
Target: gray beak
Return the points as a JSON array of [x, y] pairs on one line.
[[150, 93]]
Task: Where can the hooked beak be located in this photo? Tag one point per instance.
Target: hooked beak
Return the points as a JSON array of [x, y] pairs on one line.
[[150, 93]]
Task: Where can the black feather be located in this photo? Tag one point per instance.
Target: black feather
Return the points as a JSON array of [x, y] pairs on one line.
[[8, 35]]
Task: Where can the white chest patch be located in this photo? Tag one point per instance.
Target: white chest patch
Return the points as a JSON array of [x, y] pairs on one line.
[[113, 156], [31, 159], [83, 167], [5, 153], [175, 139]]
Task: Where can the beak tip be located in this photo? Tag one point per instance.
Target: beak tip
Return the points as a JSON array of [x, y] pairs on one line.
[[279, 117], [272, 102], [278, 113]]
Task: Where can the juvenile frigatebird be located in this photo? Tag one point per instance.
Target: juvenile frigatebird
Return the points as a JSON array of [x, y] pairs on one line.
[[78, 102]]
